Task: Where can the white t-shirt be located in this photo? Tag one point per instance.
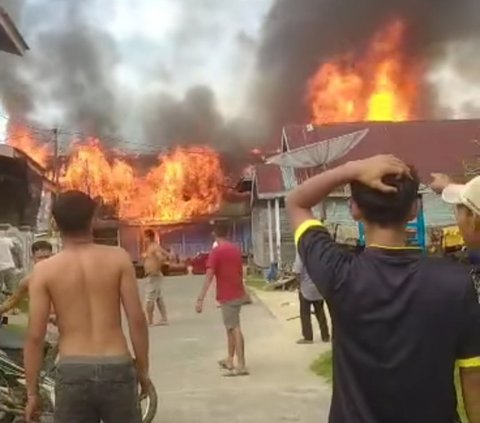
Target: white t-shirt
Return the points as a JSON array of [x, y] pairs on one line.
[[6, 257]]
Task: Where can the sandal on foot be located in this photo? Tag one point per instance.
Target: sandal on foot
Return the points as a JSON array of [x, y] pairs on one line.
[[224, 365], [237, 372]]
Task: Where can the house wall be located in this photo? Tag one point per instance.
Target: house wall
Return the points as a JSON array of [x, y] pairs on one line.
[[260, 234], [437, 213], [260, 247]]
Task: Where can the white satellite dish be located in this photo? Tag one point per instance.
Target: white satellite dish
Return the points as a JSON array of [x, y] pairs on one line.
[[320, 153]]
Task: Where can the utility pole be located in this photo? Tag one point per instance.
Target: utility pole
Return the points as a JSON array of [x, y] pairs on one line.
[[55, 156]]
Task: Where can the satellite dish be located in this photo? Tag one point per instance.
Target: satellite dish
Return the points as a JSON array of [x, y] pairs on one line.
[[320, 153]]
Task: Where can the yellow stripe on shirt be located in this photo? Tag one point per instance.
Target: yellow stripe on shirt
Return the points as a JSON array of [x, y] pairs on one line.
[[304, 226], [469, 362]]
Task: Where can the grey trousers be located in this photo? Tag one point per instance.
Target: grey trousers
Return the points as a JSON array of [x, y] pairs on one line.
[[96, 389]]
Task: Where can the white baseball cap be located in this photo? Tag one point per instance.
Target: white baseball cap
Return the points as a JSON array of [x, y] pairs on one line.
[[467, 194]]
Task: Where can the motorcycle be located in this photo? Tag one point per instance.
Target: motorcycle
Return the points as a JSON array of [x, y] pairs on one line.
[[13, 394]]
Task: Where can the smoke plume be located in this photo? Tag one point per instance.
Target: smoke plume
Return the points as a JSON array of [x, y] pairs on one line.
[[70, 77], [218, 79], [298, 36]]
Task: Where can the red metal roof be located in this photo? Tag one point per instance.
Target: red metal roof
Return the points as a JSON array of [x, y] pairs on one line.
[[268, 179], [431, 146]]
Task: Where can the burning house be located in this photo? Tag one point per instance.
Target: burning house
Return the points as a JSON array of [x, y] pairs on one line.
[[177, 194], [25, 196], [431, 146], [359, 84]]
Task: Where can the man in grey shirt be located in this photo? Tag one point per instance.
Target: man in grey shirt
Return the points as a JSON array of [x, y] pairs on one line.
[[309, 296]]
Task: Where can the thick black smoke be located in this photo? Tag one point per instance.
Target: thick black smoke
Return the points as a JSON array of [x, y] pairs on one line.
[[67, 78], [67, 71], [300, 35]]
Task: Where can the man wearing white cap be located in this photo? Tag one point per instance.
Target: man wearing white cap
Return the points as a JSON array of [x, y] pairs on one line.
[[466, 199]]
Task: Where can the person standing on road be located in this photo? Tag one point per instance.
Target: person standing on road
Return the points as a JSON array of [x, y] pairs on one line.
[[154, 258], [309, 297], [401, 319], [41, 250], [87, 284], [225, 265]]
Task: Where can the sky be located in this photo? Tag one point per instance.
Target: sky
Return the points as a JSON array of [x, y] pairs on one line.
[[163, 46], [167, 46]]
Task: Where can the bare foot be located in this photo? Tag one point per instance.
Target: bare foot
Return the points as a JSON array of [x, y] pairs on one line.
[[163, 323]]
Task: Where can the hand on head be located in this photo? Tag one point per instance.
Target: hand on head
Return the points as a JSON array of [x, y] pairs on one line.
[[371, 171]]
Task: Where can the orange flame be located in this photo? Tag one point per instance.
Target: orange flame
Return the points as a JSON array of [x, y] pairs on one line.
[[185, 183], [21, 137], [377, 88]]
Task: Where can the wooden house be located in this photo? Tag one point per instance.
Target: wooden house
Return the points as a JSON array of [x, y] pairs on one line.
[[431, 146]]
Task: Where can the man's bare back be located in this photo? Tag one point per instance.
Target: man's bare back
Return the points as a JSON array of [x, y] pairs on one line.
[[96, 378], [85, 285]]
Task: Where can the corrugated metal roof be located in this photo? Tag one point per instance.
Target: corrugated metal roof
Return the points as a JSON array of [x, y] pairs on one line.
[[268, 181], [11, 40], [431, 146]]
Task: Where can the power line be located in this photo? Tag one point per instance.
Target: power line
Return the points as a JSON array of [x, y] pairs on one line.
[[53, 133]]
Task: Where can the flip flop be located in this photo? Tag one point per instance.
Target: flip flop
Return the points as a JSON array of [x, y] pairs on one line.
[[223, 364], [237, 372]]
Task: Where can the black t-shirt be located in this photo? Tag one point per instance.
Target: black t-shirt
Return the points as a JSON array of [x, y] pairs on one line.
[[400, 321]]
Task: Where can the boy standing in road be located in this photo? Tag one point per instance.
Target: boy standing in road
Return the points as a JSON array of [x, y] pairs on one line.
[[226, 266], [154, 258], [41, 250], [400, 319], [87, 284]]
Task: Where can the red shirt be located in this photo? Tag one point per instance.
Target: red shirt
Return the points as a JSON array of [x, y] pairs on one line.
[[226, 263]]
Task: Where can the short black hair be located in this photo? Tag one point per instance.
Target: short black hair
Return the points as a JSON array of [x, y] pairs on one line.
[[41, 245], [387, 209], [150, 234], [73, 212], [220, 229]]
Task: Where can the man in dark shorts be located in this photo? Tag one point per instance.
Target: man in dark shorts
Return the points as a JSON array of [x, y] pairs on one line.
[[309, 297], [400, 319], [87, 284], [225, 264]]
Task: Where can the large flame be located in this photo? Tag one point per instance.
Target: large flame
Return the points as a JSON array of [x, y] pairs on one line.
[[185, 183], [378, 87], [23, 138]]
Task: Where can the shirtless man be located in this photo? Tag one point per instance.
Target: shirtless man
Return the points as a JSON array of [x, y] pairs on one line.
[[154, 257], [87, 285]]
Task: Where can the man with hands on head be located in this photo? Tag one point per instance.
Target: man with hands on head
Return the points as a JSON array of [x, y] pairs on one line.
[[400, 319]]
